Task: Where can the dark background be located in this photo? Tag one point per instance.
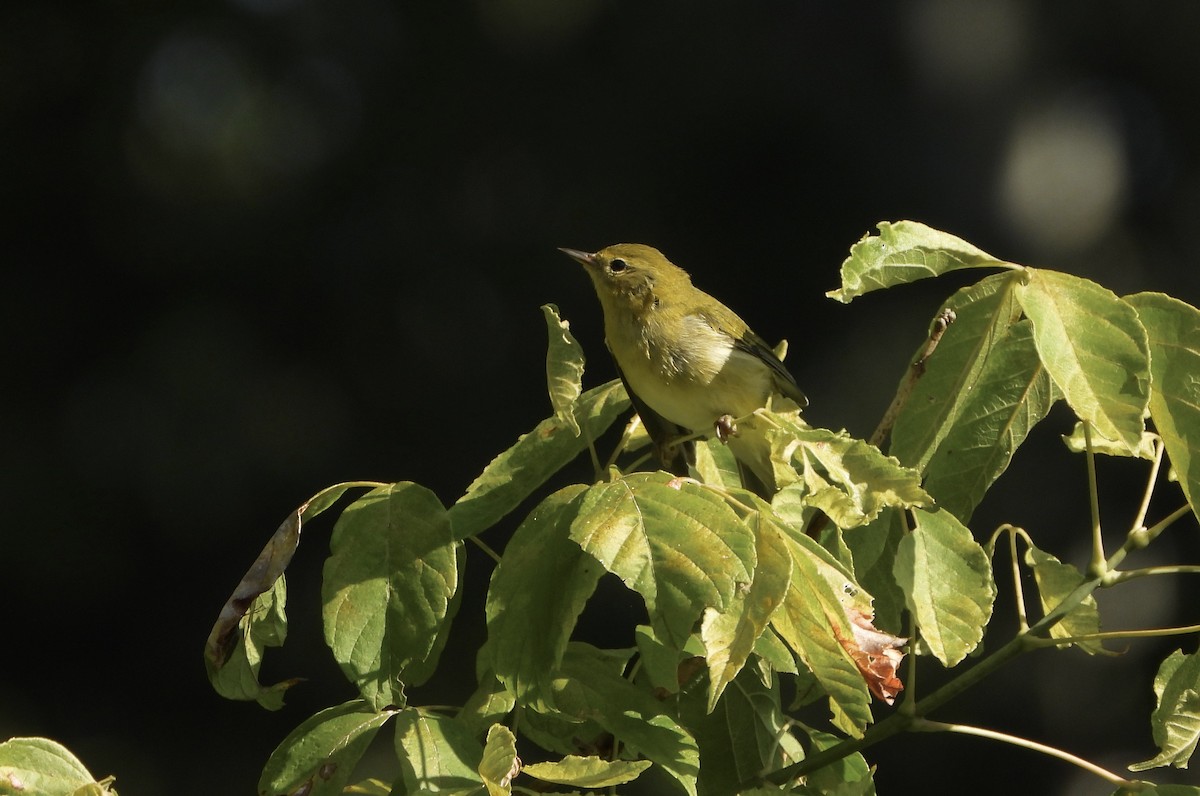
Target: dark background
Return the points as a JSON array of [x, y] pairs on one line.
[[256, 247]]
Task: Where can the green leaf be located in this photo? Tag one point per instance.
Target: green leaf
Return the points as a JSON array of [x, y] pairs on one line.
[[1150, 789], [660, 661], [1095, 349], [515, 474], [729, 635], [490, 703], [388, 587], [589, 687], [1055, 580], [848, 479], [1012, 395], [256, 608], [437, 754], [873, 548], [499, 764], [849, 776], [812, 620], [676, 543], [716, 464], [587, 772], [538, 590], [369, 787], [1076, 441], [903, 252], [1175, 722], [40, 766], [983, 313], [322, 752], [564, 368], [947, 579], [743, 736], [1174, 331]]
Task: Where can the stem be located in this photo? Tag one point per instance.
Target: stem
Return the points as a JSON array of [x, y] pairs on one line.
[[1139, 538], [1116, 634], [627, 435], [485, 548], [595, 457], [1178, 569], [1140, 519], [1097, 565], [915, 371], [924, 725], [1022, 616]]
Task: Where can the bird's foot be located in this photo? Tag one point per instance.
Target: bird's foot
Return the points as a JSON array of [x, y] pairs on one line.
[[725, 428]]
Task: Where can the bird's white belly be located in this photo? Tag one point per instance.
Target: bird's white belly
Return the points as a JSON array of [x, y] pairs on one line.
[[704, 379]]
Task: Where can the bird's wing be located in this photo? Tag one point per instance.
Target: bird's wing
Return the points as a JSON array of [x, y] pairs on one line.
[[785, 383]]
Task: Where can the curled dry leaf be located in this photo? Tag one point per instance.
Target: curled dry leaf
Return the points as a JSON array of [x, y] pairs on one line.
[[263, 573], [876, 653]]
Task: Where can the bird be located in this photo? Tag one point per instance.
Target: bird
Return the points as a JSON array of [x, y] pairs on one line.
[[688, 362]]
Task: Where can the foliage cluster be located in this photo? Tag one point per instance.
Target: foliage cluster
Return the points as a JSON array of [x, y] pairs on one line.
[[757, 612]]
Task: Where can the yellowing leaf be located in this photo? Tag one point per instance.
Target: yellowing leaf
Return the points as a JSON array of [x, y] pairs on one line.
[[1174, 331], [677, 544], [588, 772], [564, 368], [1094, 348], [947, 580], [903, 252]]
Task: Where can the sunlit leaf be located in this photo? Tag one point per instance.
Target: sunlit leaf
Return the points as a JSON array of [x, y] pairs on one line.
[[587, 772], [1174, 331], [1055, 580], [730, 634], [715, 464], [517, 472], [1175, 722], [499, 764], [848, 479], [43, 767], [983, 313], [564, 368], [387, 589], [677, 544], [437, 754], [537, 592], [947, 579], [369, 787], [812, 620], [903, 252], [1076, 442], [322, 752], [1013, 394], [1094, 348], [489, 704]]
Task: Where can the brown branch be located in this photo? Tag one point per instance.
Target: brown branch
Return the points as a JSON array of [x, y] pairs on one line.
[[940, 324]]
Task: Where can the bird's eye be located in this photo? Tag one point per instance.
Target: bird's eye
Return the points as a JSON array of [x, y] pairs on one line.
[[617, 266]]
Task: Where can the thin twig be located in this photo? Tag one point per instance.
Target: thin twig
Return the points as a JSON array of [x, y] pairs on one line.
[[1097, 566], [915, 371], [925, 725]]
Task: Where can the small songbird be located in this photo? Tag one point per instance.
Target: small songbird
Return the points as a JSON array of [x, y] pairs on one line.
[[687, 360]]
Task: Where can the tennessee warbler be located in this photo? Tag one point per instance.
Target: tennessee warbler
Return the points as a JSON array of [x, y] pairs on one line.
[[687, 360]]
